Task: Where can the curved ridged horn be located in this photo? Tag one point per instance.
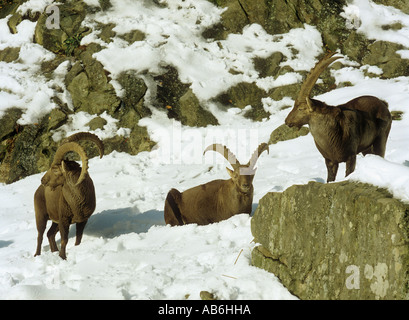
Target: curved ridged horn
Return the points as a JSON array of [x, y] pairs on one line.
[[256, 154], [225, 152], [72, 147], [86, 136], [314, 74]]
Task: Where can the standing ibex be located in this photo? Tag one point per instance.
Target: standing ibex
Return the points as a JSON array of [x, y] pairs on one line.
[[216, 200], [66, 194], [341, 132]]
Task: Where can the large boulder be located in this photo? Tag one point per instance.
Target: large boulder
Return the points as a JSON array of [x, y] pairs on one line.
[[342, 240]]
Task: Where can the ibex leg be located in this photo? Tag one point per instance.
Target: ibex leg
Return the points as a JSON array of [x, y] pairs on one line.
[[64, 229], [80, 230], [41, 217], [350, 165], [332, 169], [379, 146], [41, 225], [51, 236]]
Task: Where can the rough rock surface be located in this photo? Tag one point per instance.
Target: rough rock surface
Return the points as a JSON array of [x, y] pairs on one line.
[[342, 240], [90, 87]]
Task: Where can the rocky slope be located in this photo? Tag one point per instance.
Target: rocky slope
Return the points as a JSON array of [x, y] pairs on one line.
[[29, 147]]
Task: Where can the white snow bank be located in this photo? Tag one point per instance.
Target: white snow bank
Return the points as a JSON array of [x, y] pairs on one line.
[[369, 18], [380, 172]]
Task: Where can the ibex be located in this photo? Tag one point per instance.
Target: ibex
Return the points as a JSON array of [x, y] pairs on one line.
[[341, 132], [216, 200], [66, 194]]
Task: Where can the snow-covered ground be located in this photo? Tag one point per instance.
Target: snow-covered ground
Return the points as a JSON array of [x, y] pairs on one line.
[[127, 251]]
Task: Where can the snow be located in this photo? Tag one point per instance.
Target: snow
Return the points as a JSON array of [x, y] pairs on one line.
[[25, 32], [369, 18], [78, 122], [21, 85], [127, 251], [34, 6], [173, 37]]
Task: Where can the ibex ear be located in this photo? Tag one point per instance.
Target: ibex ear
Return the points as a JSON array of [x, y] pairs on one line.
[[45, 179], [309, 104], [230, 172]]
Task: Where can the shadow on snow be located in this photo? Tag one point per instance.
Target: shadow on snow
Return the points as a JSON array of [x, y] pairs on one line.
[[113, 223]]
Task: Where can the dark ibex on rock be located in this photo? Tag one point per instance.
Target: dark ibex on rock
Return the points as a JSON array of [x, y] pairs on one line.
[[341, 132], [66, 194], [216, 200]]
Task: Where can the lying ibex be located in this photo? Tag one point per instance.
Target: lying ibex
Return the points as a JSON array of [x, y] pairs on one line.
[[341, 132], [66, 194], [216, 200]]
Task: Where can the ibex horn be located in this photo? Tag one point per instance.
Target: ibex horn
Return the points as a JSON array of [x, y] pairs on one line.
[[261, 148], [314, 74], [74, 147], [86, 136], [225, 152]]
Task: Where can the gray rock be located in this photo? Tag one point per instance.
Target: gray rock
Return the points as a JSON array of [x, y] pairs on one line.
[[134, 90], [192, 113], [340, 240], [383, 54], [61, 40], [242, 95], [8, 122], [284, 133], [9, 54], [97, 123], [89, 85]]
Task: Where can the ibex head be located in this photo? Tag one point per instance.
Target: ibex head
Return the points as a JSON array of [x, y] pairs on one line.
[[58, 173], [303, 105], [242, 174], [61, 171]]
